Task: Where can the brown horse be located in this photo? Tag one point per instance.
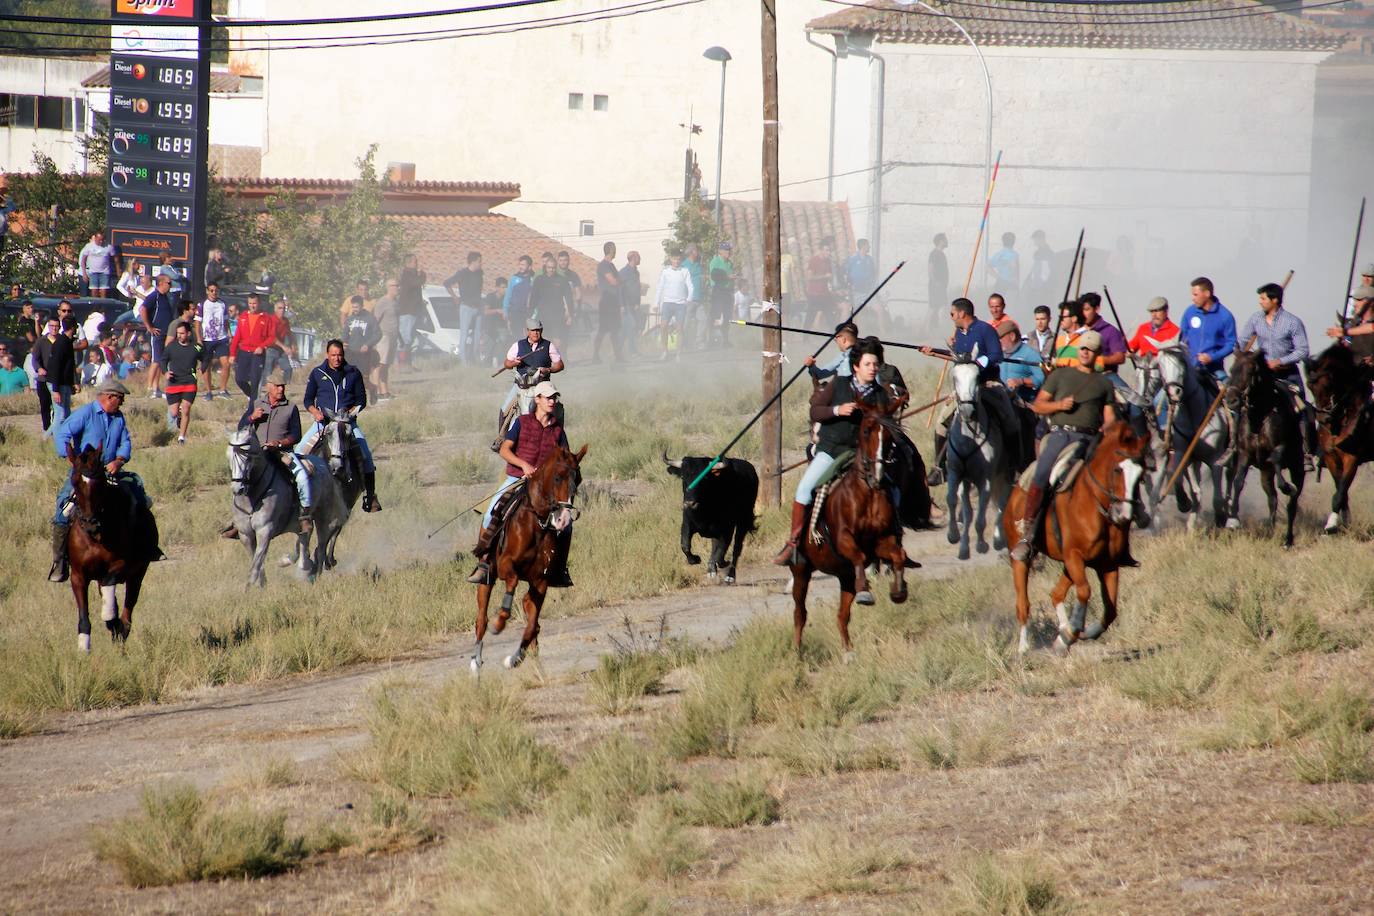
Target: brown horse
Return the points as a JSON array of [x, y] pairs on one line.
[[1341, 387], [536, 528], [859, 526], [1087, 527], [110, 542], [1268, 435]]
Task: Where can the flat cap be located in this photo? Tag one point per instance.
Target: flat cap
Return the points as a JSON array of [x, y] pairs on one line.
[[1007, 326], [1364, 291], [112, 386], [276, 377], [533, 323], [1157, 304], [1368, 270]]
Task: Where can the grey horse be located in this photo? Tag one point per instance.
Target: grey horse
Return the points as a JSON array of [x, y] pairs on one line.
[[335, 446], [265, 506], [976, 458], [1187, 404]]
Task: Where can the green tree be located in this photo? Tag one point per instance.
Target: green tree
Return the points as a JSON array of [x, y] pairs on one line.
[[693, 224], [40, 251], [322, 250]]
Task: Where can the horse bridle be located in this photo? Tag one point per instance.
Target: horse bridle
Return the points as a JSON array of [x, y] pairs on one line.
[[871, 467], [253, 475], [90, 523], [546, 522], [1126, 501]]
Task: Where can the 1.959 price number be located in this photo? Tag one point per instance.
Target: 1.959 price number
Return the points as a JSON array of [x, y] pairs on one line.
[[175, 111]]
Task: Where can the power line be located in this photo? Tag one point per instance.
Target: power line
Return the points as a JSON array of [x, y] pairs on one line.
[[659, 200], [1179, 8], [327, 20]]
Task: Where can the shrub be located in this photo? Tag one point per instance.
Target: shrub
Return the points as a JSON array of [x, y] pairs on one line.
[[954, 747], [610, 779], [1022, 886], [817, 861], [822, 751], [735, 802]]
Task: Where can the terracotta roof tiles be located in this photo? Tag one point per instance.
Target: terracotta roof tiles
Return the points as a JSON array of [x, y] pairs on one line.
[[808, 222]]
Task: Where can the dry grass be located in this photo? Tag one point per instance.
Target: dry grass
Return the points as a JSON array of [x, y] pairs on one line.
[[822, 751], [609, 781], [960, 746], [732, 802], [1006, 886], [818, 861], [272, 772], [179, 836]]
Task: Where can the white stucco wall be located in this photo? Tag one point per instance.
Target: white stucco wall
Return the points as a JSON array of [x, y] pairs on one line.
[[41, 76], [1184, 153], [496, 108]]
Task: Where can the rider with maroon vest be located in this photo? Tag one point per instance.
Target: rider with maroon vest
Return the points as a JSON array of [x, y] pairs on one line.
[[530, 439]]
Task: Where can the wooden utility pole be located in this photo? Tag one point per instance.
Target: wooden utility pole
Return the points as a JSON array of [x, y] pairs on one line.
[[772, 263]]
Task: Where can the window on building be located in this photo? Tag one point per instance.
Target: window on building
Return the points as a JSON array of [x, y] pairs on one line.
[[74, 115], [575, 101], [50, 112], [586, 227], [250, 85], [601, 102]]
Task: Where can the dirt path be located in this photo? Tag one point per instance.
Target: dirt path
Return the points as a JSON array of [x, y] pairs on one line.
[[86, 768]]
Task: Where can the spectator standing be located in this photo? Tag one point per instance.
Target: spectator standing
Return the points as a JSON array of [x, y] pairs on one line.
[[248, 347], [346, 307], [216, 270], [212, 330], [630, 294], [551, 301], [92, 327], [361, 334], [1038, 283], [410, 305], [386, 311], [608, 309], [1004, 265], [820, 298], [861, 272], [515, 302], [13, 379], [128, 280], [494, 320], [792, 283], [574, 283], [55, 363], [72, 328], [180, 360], [937, 275], [157, 312], [468, 295], [722, 271], [283, 347], [997, 310], [1043, 336], [165, 268], [96, 263], [675, 291], [696, 307], [95, 369]]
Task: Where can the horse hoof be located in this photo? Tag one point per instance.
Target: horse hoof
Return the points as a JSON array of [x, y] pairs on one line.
[[848, 657], [963, 553], [1233, 524], [1061, 646], [710, 573], [475, 666], [898, 597], [952, 536], [1093, 631], [865, 598], [982, 546], [729, 580], [83, 643], [693, 559], [513, 661]]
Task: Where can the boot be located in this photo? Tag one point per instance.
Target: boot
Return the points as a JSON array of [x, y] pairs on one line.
[[370, 501], [784, 558], [556, 576], [937, 473], [58, 573], [1030, 525], [482, 574], [229, 532], [307, 519]]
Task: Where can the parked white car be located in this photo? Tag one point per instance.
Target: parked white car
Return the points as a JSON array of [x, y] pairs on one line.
[[438, 327]]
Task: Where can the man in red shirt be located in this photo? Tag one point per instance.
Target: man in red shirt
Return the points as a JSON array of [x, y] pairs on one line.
[[256, 331], [820, 297], [1156, 331]]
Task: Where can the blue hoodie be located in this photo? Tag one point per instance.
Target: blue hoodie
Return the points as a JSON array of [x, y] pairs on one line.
[[1213, 333]]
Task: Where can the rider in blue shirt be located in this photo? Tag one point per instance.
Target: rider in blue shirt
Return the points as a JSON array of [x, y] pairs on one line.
[[337, 386], [1208, 329]]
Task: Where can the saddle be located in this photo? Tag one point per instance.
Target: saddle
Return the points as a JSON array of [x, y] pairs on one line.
[[1066, 468], [816, 527]]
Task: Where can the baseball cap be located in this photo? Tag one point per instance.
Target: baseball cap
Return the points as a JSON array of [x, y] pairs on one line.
[[725, 246], [1368, 270], [1157, 304], [1364, 291], [1007, 326], [533, 323], [1090, 340], [544, 389]]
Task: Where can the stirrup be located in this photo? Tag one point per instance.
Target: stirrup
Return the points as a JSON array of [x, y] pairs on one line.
[[482, 575], [788, 555], [59, 571]]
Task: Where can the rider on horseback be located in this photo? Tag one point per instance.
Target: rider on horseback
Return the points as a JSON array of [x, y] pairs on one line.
[[846, 336], [277, 424], [1282, 338], [1209, 331], [530, 439], [1077, 402], [336, 385], [534, 359], [836, 408], [100, 424], [977, 340]]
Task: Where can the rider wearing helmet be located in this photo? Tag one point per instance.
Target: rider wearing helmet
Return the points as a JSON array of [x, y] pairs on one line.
[[337, 386]]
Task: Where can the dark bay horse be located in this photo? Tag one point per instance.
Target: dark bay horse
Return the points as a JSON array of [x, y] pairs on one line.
[[1087, 527], [111, 542], [859, 526], [525, 549], [1341, 386], [1268, 435]]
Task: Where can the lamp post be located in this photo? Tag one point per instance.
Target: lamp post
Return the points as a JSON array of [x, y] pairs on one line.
[[716, 52]]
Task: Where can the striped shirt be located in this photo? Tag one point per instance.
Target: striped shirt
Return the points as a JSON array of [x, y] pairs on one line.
[[1284, 340]]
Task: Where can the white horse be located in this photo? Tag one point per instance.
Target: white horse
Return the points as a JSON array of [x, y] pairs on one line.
[[976, 458], [1187, 403]]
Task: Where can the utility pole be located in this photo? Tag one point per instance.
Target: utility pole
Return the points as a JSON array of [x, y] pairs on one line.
[[772, 263]]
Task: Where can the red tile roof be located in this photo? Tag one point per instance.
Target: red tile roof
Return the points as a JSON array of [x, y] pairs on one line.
[[1191, 24], [807, 222], [442, 243], [398, 194]]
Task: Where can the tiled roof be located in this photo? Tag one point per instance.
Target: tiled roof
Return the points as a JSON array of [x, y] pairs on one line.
[[442, 243], [1232, 25], [494, 191], [807, 222], [220, 80]]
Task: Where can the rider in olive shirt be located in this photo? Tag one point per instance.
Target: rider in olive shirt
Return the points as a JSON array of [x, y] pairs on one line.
[[1077, 402]]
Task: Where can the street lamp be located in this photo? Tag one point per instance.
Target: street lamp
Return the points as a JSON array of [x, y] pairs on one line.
[[716, 52]]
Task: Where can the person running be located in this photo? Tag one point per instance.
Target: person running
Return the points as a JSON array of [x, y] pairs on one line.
[[675, 291], [180, 360], [608, 310], [336, 387]]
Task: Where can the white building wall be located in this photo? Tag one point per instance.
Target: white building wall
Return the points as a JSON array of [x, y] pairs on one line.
[[1186, 154], [43, 77], [496, 108]]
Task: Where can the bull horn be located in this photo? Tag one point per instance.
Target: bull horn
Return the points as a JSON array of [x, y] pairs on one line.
[[670, 462]]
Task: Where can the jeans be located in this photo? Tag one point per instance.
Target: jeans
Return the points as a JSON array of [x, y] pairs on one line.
[[629, 326], [467, 323], [1051, 447], [61, 403], [806, 489], [407, 330], [296, 465], [505, 485], [699, 312], [248, 373], [44, 406], [313, 430], [272, 359]]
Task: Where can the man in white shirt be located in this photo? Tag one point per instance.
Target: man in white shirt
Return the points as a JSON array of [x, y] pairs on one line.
[[96, 263], [675, 290], [91, 328], [212, 330]]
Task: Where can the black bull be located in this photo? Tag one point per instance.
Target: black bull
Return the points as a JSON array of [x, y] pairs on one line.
[[721, 507]]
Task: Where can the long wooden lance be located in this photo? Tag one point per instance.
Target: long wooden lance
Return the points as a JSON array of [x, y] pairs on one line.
[[968, 281], [1354, 256], [796, 375], [1054, 347], [938, 352], [1207, 417]]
